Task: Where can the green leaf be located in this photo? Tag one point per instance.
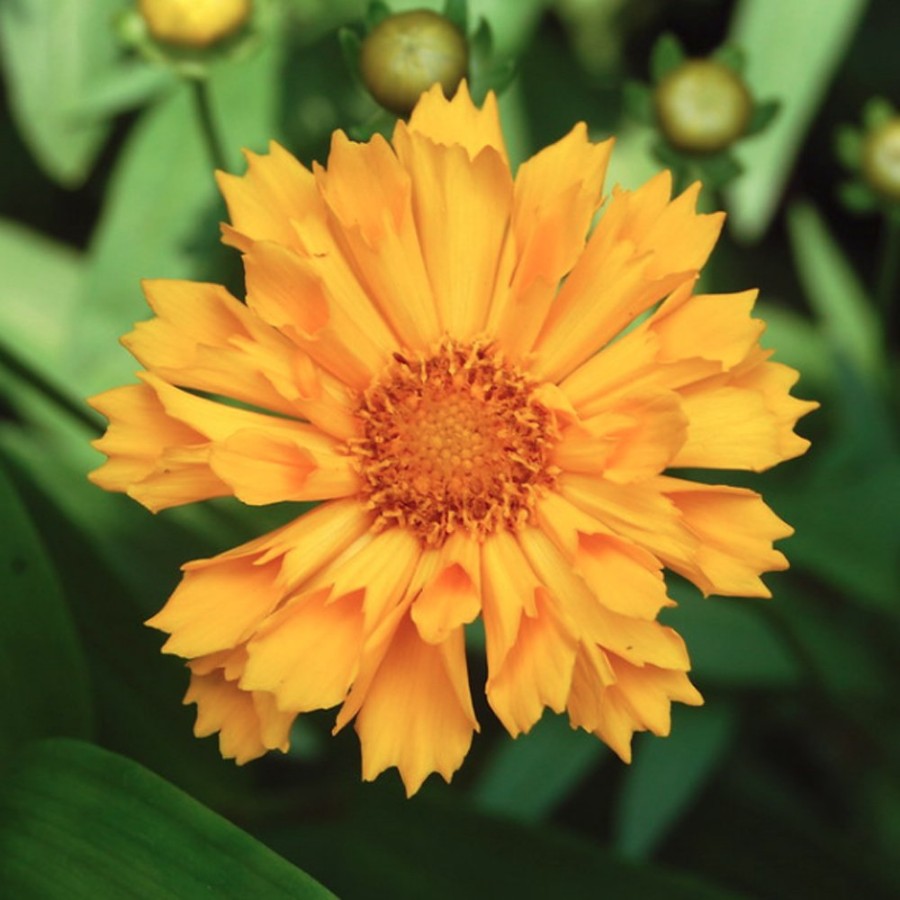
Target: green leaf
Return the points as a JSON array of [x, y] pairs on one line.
[[638, 100], [161, 213], [80, 822], [858, 197], [732, 642], [667, 54], [848, 144], [529, 777], [833, 290], [52, 53], [457, 11], [376, 13], [762, 115], [350, 43], [44, 686], [380, 845], [793, 51], [719, 169], [877, 112], [667, 775], [732, 56]]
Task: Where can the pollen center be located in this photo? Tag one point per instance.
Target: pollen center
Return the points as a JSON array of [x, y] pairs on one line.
[[454, 439]]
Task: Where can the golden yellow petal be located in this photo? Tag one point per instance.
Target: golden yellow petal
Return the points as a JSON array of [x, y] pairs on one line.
[[307, 653], [643, 247], [557, 193], [537, 670], [218, 606], [248, 725], [341, 331], [509, 587], [413, 716], [263, 467], [262, 203], [459, 121], [451, 597], [369, 193], [461, 207], [634, 438], [735, 531], [154, 458]]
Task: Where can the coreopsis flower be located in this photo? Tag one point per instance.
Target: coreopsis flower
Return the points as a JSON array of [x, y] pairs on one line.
[[446, 356]]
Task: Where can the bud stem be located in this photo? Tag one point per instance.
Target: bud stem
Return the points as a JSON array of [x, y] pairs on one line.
[[211, 137]]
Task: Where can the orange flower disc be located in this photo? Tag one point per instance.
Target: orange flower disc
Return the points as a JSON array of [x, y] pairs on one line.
[[454, 440]]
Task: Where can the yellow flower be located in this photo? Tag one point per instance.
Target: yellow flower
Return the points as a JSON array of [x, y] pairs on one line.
[[438, 351], [193, 23]]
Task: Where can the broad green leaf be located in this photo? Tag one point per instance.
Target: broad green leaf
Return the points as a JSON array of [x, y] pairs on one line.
[[667, 54], [52, 53], [43, 677], [793, 51], [847, 531], [667, 775], [834, 292], [731, 640], [529, 777], [162, 211], [382, 846], [80, 822]]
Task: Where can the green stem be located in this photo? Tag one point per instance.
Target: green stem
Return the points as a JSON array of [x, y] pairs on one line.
[[886, 286], [75, 408], [203, 104]]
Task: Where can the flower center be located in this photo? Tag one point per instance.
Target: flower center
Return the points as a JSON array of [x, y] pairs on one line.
[[454, 439]]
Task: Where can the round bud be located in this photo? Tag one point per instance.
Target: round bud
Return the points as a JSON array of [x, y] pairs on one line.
[[703, 106], [881, 159], [193, 23], [405, 54]]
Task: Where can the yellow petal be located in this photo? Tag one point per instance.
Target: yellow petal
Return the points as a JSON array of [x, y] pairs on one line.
[[735, 531], [638, 512], [261, 203], [218, 606], [461, 207], [248, 725], [154, 458], [307, 653], [413, 716], [508, 593], [262, 467], [537, 670], [459, 121], [341, 331], [557, 193], [452, 596], [635, 438], [369, 193], [643, 247]]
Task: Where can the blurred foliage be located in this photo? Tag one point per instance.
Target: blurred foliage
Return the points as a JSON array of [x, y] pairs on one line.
[[786, 784]]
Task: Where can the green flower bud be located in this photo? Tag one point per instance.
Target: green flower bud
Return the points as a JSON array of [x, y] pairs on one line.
[[703, 106], [405, 54], [881, 159]]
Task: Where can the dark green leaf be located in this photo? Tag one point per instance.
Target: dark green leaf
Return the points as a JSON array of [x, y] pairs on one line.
[[638, 100], [731, 641], [350, 43], [791, 58], [80, 822], [667, 54], [376, 13], [848, 141], [529, 777], [44, 686], [412, 850], [718, 170], [834, 292], [762, 115], [877, 112], [667, 775], [858, 197], [733, 56], [457, 11], [53, 51]]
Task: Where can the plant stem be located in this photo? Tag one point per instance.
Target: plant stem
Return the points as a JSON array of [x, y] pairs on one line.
[[886, 287], [200, 90]]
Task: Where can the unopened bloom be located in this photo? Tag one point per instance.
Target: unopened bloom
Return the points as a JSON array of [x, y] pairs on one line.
[[193, 23], [445, 355]]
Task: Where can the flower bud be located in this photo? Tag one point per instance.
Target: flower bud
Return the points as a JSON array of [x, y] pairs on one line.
[[193, 23], [881, 159], [703, 106], [405, 54]]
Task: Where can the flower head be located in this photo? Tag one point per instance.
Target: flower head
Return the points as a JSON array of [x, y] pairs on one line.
[[446, 355], [193, 23]]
